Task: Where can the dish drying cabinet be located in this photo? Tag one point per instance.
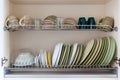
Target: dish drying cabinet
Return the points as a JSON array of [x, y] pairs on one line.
[[47, 39]]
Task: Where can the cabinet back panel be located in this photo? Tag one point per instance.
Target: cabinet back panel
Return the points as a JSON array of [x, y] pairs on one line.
[[47, 40], [75, 11]]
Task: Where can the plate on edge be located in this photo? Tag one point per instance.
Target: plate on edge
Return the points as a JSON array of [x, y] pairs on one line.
[[90, 53], [73, 53], [55, 54]]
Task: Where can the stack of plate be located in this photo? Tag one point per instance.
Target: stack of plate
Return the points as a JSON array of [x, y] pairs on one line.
[[49, 22], [106, 24], [12, 22], [99, 52], [69, 23], [43, 59], [67, 55]]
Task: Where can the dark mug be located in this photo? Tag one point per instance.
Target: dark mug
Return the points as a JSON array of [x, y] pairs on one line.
[[82, 22], [91, 22]]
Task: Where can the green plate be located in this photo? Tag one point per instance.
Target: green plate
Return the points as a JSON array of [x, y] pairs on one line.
[[80, 54], [102, 54], [76, 55], [111, 51], [70, 54], [61, 56], [97, 52], [94, 53], [73, 53], [106, 52], [87, 50], [97, 59], [67, 55], [90, 54]]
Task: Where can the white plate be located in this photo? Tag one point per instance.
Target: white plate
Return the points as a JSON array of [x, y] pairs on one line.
[[55, 54], [73, 53], [37, 61], [59, 53], [43, 59]]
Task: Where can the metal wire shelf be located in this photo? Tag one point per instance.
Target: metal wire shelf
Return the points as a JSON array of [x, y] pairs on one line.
[[61, 28], [66, 69]]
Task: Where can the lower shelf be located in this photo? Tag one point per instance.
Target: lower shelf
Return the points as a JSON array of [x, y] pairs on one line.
[[103, 72]]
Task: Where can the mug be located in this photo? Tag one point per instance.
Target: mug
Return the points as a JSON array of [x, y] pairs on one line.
[[11, 22], [91, 23], [108, 21], [26, 20], [82, 23], [60, 22]]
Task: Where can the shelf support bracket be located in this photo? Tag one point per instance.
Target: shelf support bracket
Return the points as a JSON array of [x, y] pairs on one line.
[[3, 61], [115, 29], [118, 61]]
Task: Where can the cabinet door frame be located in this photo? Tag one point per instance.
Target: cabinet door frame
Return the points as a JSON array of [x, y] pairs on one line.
[[118, 37]]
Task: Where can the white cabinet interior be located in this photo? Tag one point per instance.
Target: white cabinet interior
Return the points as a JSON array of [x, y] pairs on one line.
[[37, 40]]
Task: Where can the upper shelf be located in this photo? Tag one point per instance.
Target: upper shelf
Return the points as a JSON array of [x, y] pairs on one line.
[[60, 1], [105, 28]]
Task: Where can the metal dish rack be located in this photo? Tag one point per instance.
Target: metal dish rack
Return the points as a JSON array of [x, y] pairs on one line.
[[57, 27], [64, 69]]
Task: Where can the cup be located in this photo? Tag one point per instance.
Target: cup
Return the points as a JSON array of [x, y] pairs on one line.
[[91, 23], [11, 22], [26, 20], [60, 22], [82, 22], [38, 23]]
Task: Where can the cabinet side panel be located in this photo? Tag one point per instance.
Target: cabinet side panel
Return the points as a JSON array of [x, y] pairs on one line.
[[4, 36], [4, 41], [112, 10]]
